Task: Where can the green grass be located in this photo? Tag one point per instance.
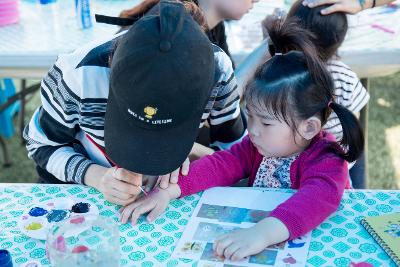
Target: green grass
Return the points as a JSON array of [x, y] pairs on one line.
[[384, 133], [383, 139]]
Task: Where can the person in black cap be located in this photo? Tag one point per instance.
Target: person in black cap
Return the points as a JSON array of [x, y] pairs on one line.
[[159, 116], [131, 105]]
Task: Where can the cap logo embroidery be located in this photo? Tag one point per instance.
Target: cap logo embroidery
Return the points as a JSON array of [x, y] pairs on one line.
[[150, 112]]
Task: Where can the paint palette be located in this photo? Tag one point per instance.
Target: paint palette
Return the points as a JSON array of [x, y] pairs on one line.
[[36, 221]]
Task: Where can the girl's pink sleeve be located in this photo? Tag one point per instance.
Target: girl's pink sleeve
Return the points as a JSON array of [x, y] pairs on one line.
[[223, 168], [321, 189]]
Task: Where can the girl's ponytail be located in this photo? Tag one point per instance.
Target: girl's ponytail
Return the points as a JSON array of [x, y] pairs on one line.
[[287, 35], [353, 137]]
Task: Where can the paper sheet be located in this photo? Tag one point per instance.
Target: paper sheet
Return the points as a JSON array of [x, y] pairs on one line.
[[222, 210]]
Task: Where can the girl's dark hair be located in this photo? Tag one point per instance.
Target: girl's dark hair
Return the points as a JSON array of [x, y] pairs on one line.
[[296, 86], [329, 30]]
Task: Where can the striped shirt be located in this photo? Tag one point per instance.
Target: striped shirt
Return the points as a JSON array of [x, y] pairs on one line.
[[74, 99], [349, 92]]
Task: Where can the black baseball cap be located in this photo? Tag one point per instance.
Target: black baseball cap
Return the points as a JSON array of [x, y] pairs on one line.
[[162, 74]]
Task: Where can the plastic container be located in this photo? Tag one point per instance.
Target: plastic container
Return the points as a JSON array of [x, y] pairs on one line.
[[90, 241]]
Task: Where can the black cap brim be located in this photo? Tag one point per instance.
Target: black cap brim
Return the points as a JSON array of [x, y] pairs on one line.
[[129, 147]]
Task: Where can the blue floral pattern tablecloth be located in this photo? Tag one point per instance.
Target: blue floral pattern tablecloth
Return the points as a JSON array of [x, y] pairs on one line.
[[339, 241]]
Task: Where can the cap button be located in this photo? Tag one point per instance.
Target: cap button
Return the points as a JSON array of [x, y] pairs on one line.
[[165, 46]]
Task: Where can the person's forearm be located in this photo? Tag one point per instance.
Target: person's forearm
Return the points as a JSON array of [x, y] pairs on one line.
[[58, 158], [348, 6], [369, 3], [245, 71], [93, 175]]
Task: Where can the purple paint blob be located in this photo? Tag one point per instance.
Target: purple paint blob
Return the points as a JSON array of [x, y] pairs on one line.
[[80, 207], [37, 212], [57, 215]]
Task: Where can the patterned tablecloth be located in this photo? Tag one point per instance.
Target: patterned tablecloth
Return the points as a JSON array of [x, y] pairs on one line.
[[339, 241]]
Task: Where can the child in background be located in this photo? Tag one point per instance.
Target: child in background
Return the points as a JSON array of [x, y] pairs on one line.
[[288, 102]]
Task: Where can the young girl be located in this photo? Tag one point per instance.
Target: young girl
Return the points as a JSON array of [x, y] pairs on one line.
[[288, 102]]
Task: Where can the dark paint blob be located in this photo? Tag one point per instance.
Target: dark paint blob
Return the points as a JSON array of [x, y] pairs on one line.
[[80, 207]]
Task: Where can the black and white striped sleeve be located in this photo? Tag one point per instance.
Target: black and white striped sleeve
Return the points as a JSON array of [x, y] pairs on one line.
[[359, 98], [349, 92], [227, 126], [53, 127]]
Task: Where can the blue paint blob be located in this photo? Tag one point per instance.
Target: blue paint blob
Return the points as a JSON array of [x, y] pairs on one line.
[[57, 215], [37, 212], [80, 207]]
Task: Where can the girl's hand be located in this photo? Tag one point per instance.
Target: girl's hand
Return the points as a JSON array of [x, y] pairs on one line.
[[240, 244], [348, 6], [154, 203], [250, 241], [172, 178]]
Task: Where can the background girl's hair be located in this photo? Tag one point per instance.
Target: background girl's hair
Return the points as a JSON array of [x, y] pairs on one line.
[[149, 7], [146, 6], [139, 10], [296, 85], [329, 30]]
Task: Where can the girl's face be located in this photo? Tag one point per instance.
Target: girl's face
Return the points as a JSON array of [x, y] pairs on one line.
[[233, 9], [271, 137]]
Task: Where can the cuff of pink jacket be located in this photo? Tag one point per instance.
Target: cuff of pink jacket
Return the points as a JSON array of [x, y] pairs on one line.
[[184, 186]]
